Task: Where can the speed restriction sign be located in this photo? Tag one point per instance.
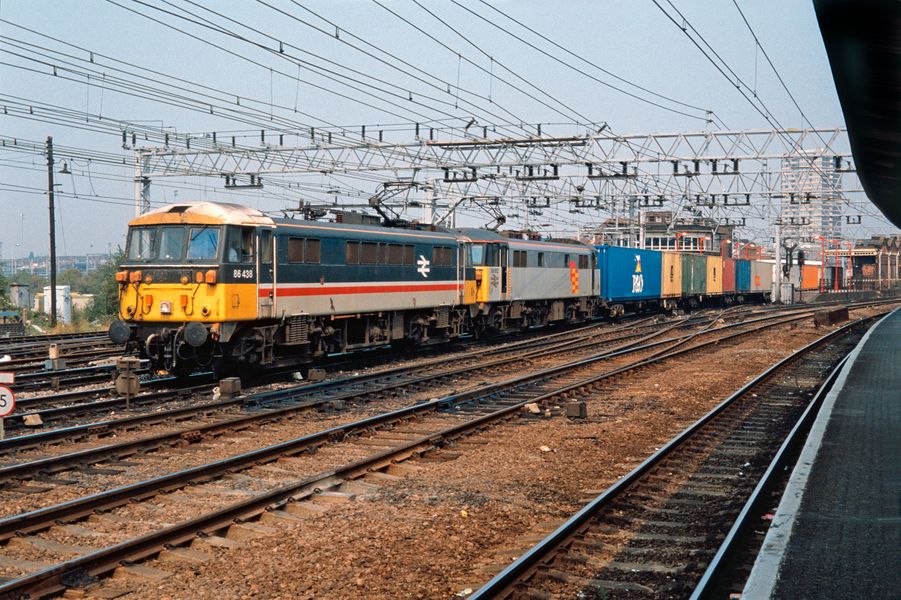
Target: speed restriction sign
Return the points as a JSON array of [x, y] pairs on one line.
[[7, 401]]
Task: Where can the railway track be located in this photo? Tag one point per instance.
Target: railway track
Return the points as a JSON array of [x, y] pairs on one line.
[[69, 405], [338, 393], [73, 359], [136, 520], [657, 530], [64, 378], [13, 342], [80, 376], [267, 406]]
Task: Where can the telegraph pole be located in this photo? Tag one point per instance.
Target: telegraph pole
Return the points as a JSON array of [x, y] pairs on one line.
[[52, 232]]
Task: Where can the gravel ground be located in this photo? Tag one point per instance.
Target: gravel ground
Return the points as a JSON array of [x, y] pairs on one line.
[[453, 523]]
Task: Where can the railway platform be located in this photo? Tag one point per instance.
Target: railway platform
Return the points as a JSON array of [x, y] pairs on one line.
[[837, 530]]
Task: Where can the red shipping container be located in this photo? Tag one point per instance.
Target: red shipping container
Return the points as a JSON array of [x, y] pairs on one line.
[[728, 275]]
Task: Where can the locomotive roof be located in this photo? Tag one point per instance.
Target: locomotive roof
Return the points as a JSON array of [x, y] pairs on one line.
[[371, 230], [223, 213], [486, 235], [206, 213]]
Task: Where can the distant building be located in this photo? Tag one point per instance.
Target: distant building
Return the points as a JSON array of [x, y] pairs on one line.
[[660, 232], [20, 295], [876, 262], [811, 202]]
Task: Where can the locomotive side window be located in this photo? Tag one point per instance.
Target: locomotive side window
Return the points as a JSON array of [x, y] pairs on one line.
[[541, 259], [395, 254], [484, 255], [295, 250], [203, 243], [442, 256], [583, 261], [409, 258], [352, 253], [304, 250], [239, 245], [477, 254], [266, 246], [369, 253], [141, 244], [520, 258], [311, 251]]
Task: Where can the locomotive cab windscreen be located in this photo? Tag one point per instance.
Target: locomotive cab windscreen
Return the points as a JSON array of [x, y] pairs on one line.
[[172, 244]]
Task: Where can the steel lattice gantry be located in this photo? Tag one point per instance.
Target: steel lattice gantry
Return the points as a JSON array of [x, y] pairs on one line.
[[605, 153], [730, 170]]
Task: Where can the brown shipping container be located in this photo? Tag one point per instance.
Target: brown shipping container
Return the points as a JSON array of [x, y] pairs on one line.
[[728, 275], [714, 275], [671, 275], [810, 277], [761, 277]]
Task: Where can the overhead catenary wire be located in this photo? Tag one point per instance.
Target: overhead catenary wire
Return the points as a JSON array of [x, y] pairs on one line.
[[760, 47], [368, 104], [737, 81], [579, 117], [281, 53], [140, 71], [401, 91], [573, 67], [592, 63], [471, 62], [391, 55]]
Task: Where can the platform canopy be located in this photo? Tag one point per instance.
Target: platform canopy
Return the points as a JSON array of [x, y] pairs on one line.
[[863, 41]]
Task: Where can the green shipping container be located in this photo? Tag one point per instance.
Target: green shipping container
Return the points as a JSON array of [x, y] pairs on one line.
[[694, 275]]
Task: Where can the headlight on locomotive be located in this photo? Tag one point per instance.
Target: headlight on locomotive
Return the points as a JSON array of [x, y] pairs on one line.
[[165, 308]]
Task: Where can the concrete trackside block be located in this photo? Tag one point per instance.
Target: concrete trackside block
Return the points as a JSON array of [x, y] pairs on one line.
[[229, 387], [576, 410], [830, 316]]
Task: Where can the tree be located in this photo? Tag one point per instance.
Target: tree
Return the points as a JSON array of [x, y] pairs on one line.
[[73, 279], [102, 283], [5, 302]]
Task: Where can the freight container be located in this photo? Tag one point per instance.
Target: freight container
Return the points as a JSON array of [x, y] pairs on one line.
[[694, 275], [714, 276], [742, 275], [728, 276], [629, 273], [810, 277], [761, 277], [672, 275]]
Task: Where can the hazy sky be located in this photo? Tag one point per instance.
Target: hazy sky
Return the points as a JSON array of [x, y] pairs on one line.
[[631, 39]]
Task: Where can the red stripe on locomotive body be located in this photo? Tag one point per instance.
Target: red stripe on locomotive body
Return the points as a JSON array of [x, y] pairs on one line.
[[357, 289]]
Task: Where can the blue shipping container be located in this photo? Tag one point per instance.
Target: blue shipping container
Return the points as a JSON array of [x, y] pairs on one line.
[[742, 275], [629, 273]]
